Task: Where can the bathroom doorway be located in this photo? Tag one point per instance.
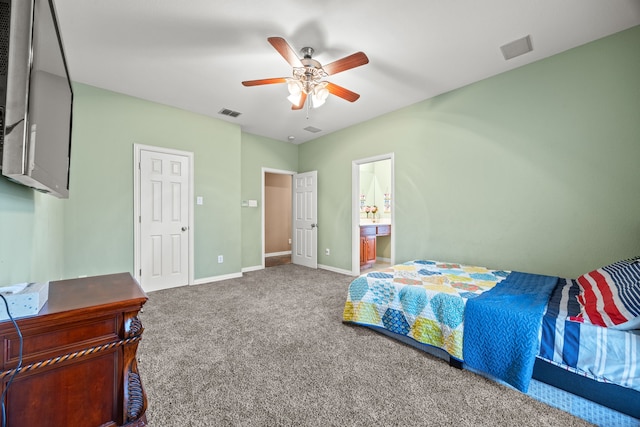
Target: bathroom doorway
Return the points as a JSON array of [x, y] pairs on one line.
[[373, 238]]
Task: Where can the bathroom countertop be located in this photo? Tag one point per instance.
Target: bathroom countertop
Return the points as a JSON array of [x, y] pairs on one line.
[[369, 221]]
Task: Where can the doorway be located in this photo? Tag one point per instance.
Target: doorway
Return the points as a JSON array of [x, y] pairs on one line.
[[302, 206], [373, 183], [277, 218]]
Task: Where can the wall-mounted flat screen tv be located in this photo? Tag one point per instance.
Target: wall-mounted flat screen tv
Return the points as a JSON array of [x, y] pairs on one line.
[[36, 97]]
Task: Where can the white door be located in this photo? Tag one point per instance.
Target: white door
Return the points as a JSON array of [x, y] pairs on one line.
[[305, 219], [164, 220]]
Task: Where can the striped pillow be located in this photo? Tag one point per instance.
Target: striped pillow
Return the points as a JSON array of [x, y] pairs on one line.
[[610, 296]]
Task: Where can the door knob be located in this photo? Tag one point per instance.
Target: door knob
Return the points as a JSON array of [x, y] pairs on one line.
[[314, 225], [185, 228]]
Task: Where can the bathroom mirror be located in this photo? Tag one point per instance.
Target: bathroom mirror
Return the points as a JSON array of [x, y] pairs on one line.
[[375, 185]]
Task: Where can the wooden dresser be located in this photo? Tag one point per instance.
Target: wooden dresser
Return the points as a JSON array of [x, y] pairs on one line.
[[79, 358]]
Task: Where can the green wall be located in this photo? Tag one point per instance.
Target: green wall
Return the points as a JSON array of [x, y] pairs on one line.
[[31, 231], [99, 213], [257, 153], [535, 169]]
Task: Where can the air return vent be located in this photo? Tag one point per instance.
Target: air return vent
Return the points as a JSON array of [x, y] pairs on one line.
[[228, 112], [312, 129], [517, 47]]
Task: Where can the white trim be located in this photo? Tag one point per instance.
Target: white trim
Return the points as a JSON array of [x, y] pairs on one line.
[[277, 254], [338, 270], [355, 209], [262, 226], [254, 268], [220, 278], [136, 205]]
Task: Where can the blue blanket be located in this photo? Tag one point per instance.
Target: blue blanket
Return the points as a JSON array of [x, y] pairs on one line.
[[501, 327]]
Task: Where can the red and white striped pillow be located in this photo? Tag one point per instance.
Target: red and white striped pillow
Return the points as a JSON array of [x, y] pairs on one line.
[[610, 296]]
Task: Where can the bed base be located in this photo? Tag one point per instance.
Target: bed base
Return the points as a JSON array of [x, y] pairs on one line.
[[610, 395], [597, 400]]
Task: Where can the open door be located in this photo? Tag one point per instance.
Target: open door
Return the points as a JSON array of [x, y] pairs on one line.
[[305, 219]]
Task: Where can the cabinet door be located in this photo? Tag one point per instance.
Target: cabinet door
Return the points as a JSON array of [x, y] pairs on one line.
[[363, 250], [371, 249], [78, 393]]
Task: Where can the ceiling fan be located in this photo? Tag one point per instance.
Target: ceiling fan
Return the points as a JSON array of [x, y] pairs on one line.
[[308, 74]]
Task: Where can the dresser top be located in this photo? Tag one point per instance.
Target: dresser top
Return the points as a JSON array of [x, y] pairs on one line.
[[97, 293]]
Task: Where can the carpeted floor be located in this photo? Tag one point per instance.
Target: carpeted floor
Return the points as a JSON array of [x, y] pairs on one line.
[[272, 261], [270, 349]]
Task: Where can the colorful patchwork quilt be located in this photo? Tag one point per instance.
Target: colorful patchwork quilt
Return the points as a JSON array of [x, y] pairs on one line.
[[424, 300]]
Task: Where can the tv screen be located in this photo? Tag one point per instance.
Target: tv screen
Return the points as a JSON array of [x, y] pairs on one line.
[[37, 97]]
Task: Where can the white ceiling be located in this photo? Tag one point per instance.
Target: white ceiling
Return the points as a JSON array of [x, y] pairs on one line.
[[194, 54]]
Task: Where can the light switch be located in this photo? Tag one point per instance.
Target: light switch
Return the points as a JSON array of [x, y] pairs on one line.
[[253, 203], [199, 200]]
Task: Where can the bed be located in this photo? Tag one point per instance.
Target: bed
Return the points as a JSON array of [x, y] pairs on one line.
[[581, 335]]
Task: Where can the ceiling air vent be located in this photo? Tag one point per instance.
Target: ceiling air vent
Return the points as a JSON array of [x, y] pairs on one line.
[[517, 47], [228, 112], [312, 129]]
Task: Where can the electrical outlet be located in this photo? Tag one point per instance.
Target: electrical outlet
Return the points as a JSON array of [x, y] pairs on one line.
[[327, 251], [220, 259], [289, 241]]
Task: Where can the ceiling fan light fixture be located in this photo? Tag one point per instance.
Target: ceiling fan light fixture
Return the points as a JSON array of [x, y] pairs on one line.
[[319, 95], [295, 99], [294, 87], [308, 74], [295, 91]]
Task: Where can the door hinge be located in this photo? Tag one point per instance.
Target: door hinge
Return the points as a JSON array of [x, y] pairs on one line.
[[140, 218], [140, 272]]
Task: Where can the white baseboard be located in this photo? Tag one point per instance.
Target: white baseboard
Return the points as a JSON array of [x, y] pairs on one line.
[[204, 280], [335, 270], [252, 268], [277, 253], [216, 278]]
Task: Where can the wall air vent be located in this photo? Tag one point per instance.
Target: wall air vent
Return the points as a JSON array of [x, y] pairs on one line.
[[312, 129], [228, 112], [517, 47]]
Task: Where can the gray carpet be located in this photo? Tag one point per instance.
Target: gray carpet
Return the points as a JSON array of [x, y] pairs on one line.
[[270, 349]]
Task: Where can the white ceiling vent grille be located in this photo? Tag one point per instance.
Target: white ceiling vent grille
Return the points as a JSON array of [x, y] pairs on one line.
[[228, 112], [312, 129], [517, 47]]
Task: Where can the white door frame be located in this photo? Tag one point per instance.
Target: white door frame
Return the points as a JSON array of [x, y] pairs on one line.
[[355, 210], [265, 171], [137, 263]]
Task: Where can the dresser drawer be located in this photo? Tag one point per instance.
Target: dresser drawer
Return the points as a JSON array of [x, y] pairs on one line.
[[383, 230], [368, 230], [47, 342]]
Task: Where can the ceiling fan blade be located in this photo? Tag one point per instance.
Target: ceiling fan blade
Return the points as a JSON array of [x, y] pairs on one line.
[[264, 81], [342, 92], [355, 60], [285, 50], [303, 99]]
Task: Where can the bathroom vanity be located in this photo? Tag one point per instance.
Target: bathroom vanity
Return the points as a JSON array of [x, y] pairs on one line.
[[368, 238]]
